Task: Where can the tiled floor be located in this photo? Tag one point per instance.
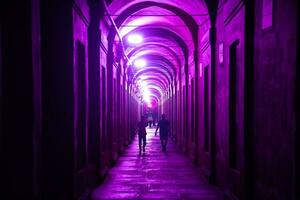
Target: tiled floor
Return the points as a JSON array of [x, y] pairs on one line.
[[155, 175]]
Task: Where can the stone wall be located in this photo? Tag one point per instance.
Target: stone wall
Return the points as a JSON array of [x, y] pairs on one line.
[[274, 90]]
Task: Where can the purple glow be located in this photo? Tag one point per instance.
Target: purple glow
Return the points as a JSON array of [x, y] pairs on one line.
[[143, 84], [146, 99], [140, 63], [135, 39], [146, 93]]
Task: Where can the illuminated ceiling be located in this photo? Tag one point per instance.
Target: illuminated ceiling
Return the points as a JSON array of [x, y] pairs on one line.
[[159, 38]]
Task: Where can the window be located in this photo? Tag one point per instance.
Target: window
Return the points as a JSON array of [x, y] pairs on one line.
[[267, 14]]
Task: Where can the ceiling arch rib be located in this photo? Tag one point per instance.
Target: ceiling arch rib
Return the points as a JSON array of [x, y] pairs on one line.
[[187, 10], [196, 8], [155, 73], [132, 15], [152, 29], [153, 93], [132, 8], [170, 52], [159, 61], [154, 59], [159, 71], [161, 35], [155, 90], [152, 80], [150, 16], [169, 38]]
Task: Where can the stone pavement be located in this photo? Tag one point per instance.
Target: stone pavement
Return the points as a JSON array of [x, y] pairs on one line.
[[155, 175]]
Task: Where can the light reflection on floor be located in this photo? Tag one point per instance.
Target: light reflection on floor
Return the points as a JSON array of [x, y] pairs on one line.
[[155, 175]]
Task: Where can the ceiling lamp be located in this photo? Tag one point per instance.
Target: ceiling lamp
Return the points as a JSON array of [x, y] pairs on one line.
[[135, 39], [140, 63]]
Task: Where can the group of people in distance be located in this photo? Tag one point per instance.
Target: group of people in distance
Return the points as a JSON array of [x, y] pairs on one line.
[[151, 121], [163, 125]]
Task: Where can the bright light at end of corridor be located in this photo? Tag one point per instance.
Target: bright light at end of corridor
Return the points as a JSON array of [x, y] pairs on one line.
[[146, 93], [143, 84], [135, 39], [146, 98]]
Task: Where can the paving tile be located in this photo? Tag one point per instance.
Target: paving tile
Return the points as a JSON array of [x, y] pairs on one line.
[[155, 175]]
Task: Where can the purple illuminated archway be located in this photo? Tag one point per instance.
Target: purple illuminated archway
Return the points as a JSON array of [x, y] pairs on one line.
[[168, 40]]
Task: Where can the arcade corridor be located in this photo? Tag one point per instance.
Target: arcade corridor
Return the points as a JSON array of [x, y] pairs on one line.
[[76, 76]]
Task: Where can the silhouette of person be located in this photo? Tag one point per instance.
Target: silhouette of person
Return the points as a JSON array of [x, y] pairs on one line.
[[164, 128], [150, 120], [141, 128]]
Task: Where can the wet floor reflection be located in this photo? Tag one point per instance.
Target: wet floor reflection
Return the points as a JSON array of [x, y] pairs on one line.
[[155, 175]]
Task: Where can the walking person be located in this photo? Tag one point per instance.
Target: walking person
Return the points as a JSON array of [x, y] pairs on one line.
[[141, 128], [150, 120], [164, 128]]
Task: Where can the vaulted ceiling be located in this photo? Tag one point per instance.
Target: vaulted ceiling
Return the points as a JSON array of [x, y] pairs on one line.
[[159, 38]]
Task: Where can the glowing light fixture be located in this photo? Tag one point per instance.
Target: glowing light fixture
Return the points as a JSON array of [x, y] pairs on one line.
[[140, 63], [135, 39], [146, 99], [146, 93], [146, 96], [143, 84]]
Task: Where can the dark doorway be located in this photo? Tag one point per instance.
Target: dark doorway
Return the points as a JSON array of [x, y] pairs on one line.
[[206, 109], [233, 88], [297, 100], [103, 137], [193, 132], [81, 85]]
